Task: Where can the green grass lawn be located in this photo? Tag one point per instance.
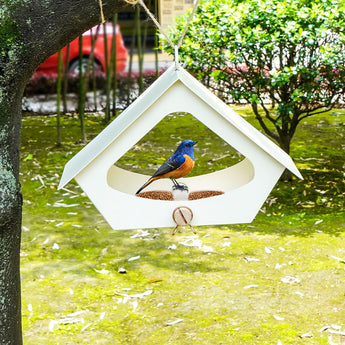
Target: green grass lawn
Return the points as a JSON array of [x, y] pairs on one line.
[[277, 280]]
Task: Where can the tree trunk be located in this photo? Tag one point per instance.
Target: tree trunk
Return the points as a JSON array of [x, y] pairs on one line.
[[30, 31], [10, 217], [284, 143]]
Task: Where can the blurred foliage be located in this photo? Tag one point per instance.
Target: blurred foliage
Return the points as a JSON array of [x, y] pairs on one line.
[[127, 87], [286, 56]]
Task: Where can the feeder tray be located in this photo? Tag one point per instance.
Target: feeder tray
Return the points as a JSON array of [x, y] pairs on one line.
[[157, 195], [163, 195], [203, 194]]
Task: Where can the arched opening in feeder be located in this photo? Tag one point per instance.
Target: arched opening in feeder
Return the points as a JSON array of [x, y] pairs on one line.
[[219, 168]]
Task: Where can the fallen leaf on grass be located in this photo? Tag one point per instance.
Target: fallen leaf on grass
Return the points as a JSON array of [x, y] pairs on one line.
[[279, 318], [268, 250], [52, 325], [338, 259], [69, 191], [137, 295], [334, 329], [306, 335], [29, 157], [290, 280], [246, 258], [60, 204], [336, 332], [65, 321], [77, 313], [331, 342], [85, 327], [171, 323], [194, 241], [133, 258], [141, 234], [307, 204], [155, 280], [135, 305], [102, 271], [71, 320], [207, 249], [46, 241], [299, 293]]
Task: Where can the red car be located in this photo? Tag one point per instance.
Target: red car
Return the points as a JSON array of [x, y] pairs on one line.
[[50, 65]]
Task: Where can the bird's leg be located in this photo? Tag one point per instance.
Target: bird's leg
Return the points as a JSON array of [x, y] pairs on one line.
[[178, 185], [174, 182]]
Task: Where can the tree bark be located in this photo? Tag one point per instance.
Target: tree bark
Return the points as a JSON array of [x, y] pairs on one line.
[[30, 31], [285, 144], [10, 218]]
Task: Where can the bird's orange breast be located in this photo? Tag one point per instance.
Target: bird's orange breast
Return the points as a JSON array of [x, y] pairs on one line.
[[183, 170]]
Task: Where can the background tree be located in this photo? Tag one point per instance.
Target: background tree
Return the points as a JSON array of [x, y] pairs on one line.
[[285, 58], [30, 31]]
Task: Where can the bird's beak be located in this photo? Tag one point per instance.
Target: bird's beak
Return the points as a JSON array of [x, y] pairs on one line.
[[194, 142]]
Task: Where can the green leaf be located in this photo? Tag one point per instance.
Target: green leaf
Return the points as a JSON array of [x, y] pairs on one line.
[[29, 157]]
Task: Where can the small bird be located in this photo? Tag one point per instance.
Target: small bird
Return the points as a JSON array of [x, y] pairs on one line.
[[179, 164]]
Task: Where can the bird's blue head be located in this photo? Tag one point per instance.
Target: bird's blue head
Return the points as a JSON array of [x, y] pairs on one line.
[[186, 147]]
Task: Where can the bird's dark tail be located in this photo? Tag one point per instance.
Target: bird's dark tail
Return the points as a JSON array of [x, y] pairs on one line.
[[145, 185]]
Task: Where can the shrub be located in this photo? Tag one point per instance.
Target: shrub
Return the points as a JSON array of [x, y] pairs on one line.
[[284, 57]]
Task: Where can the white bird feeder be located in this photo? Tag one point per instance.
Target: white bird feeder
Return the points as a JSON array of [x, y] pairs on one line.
[[244, 186]]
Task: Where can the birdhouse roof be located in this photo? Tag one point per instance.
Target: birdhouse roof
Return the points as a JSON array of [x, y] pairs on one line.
[[146, 99]]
